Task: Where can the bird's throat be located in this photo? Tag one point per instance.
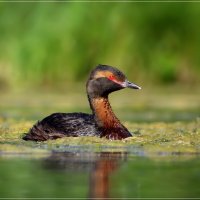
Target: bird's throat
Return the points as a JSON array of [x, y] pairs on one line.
[[104, 115]]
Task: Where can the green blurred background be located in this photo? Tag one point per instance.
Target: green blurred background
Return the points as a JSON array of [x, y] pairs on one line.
[[53, 45], [46, 53]]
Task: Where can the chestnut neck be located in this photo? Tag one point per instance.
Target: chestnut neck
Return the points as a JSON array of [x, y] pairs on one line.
[[108, 124], [103, 113]]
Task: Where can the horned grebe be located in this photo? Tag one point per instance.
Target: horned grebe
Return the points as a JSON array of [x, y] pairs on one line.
[[102, 122]]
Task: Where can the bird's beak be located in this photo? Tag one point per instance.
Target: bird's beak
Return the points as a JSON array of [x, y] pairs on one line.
[[128, 84]]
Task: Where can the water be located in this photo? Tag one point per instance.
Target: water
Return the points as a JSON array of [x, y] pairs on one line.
[[79, 172], [100, 175]]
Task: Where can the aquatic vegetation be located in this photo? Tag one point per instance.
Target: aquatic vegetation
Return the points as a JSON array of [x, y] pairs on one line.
[[148, 138], [169, 125]]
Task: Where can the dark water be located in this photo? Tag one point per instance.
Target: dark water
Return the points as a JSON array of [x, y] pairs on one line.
[[100, 175]]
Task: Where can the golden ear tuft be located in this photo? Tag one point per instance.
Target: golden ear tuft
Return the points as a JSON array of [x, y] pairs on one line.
[[102, 74]]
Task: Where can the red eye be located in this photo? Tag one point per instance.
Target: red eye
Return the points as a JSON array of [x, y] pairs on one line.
[[111, 77]]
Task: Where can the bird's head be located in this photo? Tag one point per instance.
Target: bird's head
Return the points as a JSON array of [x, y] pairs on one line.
[[105, 79]]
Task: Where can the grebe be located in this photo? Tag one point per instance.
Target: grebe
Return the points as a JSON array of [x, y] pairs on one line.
[[102, 122]]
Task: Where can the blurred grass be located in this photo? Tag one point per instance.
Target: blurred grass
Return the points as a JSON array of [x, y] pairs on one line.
[[52, 45]]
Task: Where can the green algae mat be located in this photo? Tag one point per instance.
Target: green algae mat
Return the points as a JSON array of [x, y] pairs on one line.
[[160, 122], [154, 137]]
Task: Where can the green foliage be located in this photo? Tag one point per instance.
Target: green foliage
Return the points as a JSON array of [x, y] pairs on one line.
[[50, 44]]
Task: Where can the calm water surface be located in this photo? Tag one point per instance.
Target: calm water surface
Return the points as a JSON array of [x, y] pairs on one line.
[[116, 174]]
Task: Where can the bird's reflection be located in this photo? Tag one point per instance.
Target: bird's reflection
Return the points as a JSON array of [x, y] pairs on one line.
[[99, 165], [99, 177]]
